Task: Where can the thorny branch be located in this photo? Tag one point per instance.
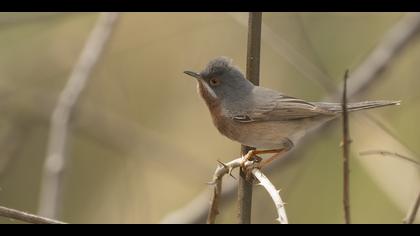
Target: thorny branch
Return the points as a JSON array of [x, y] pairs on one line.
[[253, 167], [221, 170], [51, 185], [274, 194], [392, 44], [26, 217]]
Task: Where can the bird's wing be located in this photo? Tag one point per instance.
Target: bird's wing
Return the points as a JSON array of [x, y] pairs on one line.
[[270, 105]]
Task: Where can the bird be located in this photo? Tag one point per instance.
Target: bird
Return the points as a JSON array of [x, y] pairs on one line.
[[259, 117]]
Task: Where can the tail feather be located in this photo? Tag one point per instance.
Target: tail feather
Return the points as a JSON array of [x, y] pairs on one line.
[[356, 106]]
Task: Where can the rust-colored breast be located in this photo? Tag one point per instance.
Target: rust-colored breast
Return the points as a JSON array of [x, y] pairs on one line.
[[222, 123]]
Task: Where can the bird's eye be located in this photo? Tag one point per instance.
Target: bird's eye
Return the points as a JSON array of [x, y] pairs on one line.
[[214, 81]]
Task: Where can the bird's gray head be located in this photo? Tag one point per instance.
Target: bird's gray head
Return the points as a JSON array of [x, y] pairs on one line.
[[221, 80]]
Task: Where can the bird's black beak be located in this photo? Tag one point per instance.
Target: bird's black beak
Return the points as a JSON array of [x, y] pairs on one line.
[[193, 74]]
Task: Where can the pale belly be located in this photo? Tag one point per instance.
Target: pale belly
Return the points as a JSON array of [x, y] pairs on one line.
[[269, 134]]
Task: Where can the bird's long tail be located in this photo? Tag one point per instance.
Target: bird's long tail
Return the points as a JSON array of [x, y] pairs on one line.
[[356, 106]]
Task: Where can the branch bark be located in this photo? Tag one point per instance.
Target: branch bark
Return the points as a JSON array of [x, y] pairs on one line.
[[52, 179], [26, 217], [393, 44]]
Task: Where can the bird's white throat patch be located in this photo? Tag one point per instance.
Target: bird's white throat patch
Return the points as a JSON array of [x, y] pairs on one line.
[[208, 89]]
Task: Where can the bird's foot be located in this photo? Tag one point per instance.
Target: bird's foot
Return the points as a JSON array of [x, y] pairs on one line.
[[258, 162], [251, 156], [247, 162]]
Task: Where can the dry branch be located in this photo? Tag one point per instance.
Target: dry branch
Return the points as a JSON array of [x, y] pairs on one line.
[[390, 154], [412, 213], [392, 44], [214, 202], [387, 50], [221, 170], [26, 217], [52, 179]]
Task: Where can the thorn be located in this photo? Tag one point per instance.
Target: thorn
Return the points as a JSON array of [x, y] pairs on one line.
[[211, 183], [342, 144], [223, 164], [230, 173]]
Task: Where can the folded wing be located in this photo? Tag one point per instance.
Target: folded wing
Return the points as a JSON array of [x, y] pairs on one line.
[[270, 105]]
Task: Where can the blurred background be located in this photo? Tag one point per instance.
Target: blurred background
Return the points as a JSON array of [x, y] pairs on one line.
[[142, 144]]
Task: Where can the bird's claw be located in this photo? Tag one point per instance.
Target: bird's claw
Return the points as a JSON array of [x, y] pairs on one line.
[[250, 157]]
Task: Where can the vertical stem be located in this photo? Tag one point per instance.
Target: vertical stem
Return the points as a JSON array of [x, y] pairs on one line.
[[244, 193], [252, 73], [346, 149], [254, 46]]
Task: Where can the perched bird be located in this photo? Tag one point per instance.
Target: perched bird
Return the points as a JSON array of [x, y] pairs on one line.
[[260, 117]]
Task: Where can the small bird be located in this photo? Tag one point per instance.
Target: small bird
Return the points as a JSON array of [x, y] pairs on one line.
[[259, 117]]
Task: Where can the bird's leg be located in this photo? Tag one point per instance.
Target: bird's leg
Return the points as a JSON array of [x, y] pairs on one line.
[[253, 153], [277, 155], [287, 145]]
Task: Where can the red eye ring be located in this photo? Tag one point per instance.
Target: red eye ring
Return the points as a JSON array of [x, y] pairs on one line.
[[214, 81]]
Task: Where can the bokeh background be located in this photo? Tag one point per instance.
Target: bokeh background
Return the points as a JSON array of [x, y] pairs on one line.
[[142, 143]]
